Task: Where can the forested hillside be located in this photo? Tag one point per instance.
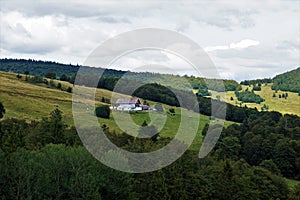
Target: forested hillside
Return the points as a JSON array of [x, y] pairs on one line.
[[68, 72], [289, 81]]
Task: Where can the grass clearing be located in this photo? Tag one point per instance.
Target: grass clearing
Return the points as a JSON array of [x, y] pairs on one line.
[[291, 105]]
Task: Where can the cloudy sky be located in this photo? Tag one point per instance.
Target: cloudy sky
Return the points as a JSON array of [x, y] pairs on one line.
[[244, 39]]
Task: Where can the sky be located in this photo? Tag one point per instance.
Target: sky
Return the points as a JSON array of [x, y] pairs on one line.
[[244, 39]]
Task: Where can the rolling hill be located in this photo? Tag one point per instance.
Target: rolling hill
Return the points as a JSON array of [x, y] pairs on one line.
[[289, 81], [24, 100]]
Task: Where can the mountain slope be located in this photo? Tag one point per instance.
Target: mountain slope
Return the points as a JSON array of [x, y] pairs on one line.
[[289, 81]]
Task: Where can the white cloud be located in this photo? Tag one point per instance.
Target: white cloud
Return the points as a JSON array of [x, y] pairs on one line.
[[238, 45]]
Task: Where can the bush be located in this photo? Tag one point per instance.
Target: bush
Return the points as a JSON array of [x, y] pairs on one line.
[[257, 88], [69, 90], [58, 86], [102, 111], [248, 97], [51, 75], [19, 76]]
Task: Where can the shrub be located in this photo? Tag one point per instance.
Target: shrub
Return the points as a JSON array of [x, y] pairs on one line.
[[69, 89], [172, 110], [58, 86], [102, 111]]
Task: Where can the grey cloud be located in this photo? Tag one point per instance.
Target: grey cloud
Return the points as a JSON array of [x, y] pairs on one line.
[[113, 20], [210, 23], [289, 45], [230, 18]]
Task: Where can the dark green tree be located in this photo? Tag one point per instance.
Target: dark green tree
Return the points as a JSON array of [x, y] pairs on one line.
[[51, 75], [57, 126], [271, 166], [64, 77], [2, 110], [19, 76], [102, 111], [58, 86], [69, 89], [26, 73]]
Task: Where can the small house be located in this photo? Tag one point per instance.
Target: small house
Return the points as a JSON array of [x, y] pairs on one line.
[[133, 102], [127, 104]]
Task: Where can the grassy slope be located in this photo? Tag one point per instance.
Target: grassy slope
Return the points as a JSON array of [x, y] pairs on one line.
[[28, 101], [291, 105]]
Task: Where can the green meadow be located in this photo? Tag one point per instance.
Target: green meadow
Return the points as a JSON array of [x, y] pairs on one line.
[[24, 100], [290, 105]]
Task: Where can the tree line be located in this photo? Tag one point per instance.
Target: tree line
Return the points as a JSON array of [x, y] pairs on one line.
[[288, 81], [46, 160], [67, 72]]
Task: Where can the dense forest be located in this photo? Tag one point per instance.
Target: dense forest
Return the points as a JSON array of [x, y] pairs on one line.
[[46, 160]]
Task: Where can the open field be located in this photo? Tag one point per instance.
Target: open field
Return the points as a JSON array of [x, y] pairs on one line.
[[28, 101], [291, 105]]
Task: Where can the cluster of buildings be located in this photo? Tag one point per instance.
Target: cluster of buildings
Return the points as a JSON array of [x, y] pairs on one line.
[[129, 104]]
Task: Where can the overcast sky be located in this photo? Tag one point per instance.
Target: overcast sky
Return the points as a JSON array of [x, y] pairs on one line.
[[244, 39]]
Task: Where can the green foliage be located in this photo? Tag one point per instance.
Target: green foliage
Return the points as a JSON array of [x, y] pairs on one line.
[[59, 172], [19, 76], [102, 111], [229, 172], [51, 75], [220, 86], [69, 89], [229, 147], [257, 81], [36, 79], [248, 97], [271, 166], [257, 87], [64, 77], [105, 100], [172, 110], [288, 81], [264, 107], [295, 193], [58, 86]]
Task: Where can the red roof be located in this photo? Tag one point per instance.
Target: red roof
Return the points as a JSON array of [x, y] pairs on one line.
[[128, 101]]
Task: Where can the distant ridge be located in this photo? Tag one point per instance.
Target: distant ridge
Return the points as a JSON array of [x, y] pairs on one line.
[[41, 68], [288, 81]]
